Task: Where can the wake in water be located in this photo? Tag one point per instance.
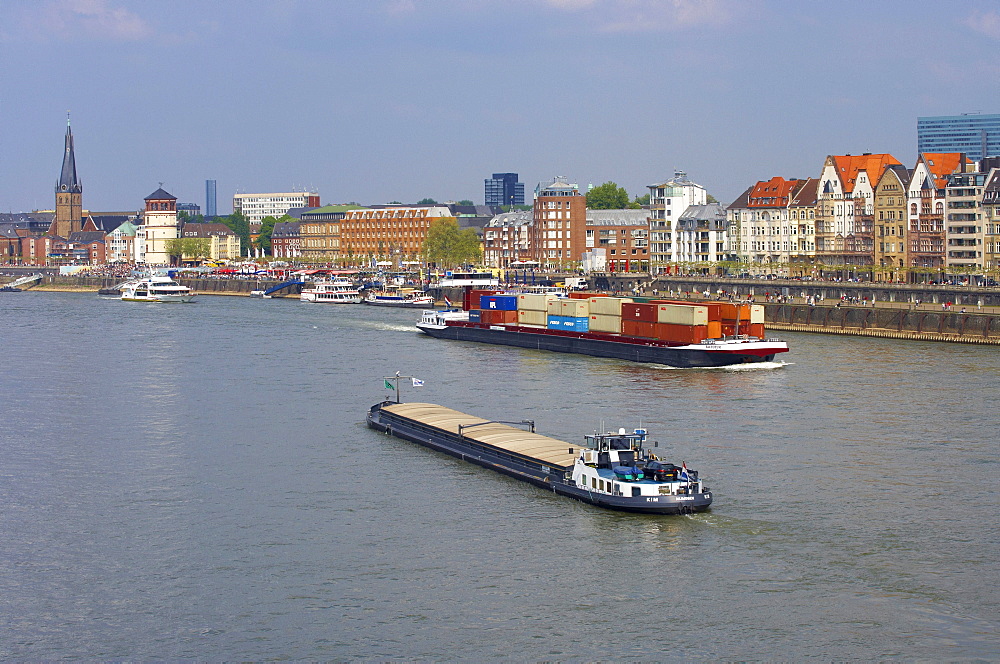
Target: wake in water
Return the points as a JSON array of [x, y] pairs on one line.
[[755, 366]]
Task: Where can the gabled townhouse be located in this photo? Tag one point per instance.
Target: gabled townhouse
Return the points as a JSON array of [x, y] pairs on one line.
[[760, 223], [120, 243], [991, 223], [891, 256], [285, 240], [802, 220], [845, 209], [925, 210]]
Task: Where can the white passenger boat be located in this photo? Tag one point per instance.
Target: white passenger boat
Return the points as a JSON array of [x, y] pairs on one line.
[[339, 290], [155, 289], [400, 297]]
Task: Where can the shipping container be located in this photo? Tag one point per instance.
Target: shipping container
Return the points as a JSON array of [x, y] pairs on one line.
[[686, 334], [637, 311], [474, 315], [535, 301], [638, 328], [554, 307], [612, 324], [714, 329], [472, 297], [731, 312], [757, 313], [714, 308], [569, 323], [497, 316], [757, 330], [681, 314], [607, 306], [529, 317], [499, 302], [574, 308]]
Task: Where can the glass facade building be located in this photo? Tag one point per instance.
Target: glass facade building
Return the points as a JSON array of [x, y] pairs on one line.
[[972, 134], [210, 210], [504, 189]]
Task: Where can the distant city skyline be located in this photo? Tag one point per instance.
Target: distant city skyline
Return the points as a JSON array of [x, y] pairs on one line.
[[387, 100]]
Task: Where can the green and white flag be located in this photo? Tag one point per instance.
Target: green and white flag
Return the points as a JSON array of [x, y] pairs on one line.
[[388, 385]]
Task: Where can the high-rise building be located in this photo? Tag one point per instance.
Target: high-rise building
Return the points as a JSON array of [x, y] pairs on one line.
[[210, 209], [504, 189], [976, 135]]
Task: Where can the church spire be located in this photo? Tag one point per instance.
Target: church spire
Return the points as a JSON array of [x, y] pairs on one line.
[[68, 182]]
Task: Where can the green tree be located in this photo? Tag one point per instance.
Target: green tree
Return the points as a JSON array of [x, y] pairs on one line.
[[447, 245], [465, 201], [239, 224], [709, 198], [195, 248], [639, 201], [608, 196], [427, 201], [267, 228]]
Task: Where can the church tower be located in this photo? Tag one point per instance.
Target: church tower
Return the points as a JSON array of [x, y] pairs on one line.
[[69, 193]]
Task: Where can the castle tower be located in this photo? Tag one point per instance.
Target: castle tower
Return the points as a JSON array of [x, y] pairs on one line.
[[158, 227], [69, 193]]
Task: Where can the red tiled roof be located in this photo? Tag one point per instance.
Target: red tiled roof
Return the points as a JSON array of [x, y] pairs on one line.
[[943, 164], [848, 167], [772, 193]]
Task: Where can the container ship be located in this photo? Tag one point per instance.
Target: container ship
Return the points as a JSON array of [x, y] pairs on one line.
[[611, 470], [667, 332]]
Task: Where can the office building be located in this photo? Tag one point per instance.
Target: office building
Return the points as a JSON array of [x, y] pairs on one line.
[[504, 189], [976, 135], [210, 209], [257, 206]]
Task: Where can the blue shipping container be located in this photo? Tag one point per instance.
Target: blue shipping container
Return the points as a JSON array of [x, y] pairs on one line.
[[569, 323], [474, 316], [498, 302]]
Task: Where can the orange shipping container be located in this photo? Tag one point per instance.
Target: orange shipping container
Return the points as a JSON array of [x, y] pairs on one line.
[[714, 329], [497, 316], [757, 330], [687, 334], [638, 328]]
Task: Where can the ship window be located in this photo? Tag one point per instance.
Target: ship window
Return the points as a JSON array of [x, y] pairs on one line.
[[593, 482], [636, 492], [601, 484]]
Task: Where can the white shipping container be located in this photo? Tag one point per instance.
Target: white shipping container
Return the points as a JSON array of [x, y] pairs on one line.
[[529, 317], [554, 307], [681, 314], [756, 313], [535, 301], [612, 324], [574, 308], [607, 306]]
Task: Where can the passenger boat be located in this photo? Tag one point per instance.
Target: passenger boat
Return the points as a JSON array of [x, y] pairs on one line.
[[611, 470], [155, 289], [400, 297], [675, 334], [339, 290], [9, 289]]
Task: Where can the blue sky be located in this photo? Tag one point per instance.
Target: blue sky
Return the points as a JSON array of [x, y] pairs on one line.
[[379, 100]]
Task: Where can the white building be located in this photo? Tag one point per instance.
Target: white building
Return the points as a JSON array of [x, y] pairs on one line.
[[507, 239], [257, 206], [159, 225], [667, 202]]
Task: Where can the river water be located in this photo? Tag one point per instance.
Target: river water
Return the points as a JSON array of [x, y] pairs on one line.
[[197, 482]]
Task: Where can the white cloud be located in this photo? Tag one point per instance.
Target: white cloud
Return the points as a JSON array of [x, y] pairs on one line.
[[987, 23], [92, 19]]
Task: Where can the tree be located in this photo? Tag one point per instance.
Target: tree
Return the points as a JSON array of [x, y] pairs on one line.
[[447, 245], [427, 201], [267, 228], [639, 201], [608, 196], [711, 199], [465, 201], [238, 224], [195, 248]]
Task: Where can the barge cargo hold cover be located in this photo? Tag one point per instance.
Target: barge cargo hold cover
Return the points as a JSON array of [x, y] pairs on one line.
[[612, 470]]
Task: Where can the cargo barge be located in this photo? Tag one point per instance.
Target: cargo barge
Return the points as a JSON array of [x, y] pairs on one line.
[[611, 470], [676, 334]]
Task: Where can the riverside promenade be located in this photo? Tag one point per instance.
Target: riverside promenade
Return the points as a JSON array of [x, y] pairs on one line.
[[901, 311]]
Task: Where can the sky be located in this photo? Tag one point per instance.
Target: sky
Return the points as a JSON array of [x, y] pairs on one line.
[[372, 101]]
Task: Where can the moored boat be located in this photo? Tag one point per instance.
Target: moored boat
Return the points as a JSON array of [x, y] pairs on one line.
[[411, 298], [611, 470], [676, 334], [155, 289], [339, 290]]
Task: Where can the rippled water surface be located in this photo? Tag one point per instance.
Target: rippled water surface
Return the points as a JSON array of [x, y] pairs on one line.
[[196, 481]]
